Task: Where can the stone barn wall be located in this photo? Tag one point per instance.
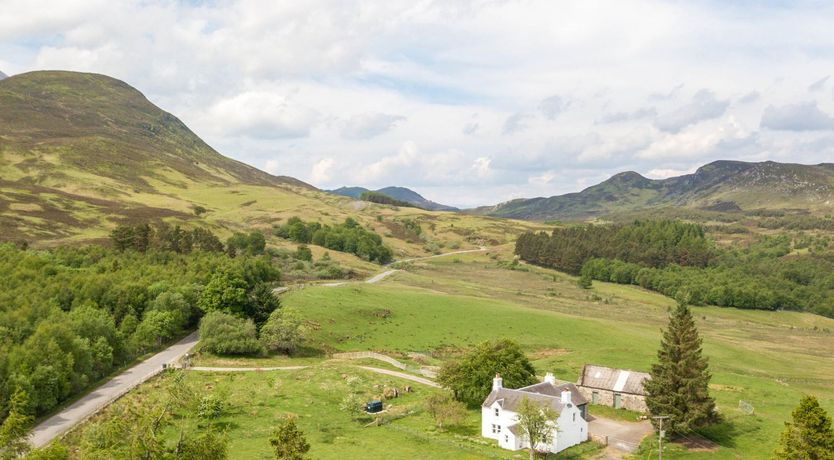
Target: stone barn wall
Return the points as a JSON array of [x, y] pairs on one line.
[[629, 401]]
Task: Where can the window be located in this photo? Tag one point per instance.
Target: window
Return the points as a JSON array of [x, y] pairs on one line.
[[493, 428], [506, 438], [574, 416], [496, 412]]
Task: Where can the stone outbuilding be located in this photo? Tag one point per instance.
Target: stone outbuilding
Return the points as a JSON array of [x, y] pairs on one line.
[[617, 388]]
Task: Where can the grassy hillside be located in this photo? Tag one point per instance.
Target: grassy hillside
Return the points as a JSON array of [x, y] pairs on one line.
[[81, 153], [725, 186]]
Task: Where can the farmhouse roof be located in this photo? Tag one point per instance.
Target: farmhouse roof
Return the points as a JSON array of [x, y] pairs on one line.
[[617, 380], [547, 388], [510, 400]]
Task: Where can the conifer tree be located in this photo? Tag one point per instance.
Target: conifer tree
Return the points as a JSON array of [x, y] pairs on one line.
[[680, 378], [288, 441], [809, 435]]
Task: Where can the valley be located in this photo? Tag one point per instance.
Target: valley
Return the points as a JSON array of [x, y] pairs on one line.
[[121, 231]]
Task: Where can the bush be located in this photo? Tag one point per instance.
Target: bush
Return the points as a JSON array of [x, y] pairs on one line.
[[224, 334], [283, 331]]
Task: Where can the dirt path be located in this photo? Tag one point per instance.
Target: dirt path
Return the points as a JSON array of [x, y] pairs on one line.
[[381, 276], [401, 375], [99, 398], [244, 369]]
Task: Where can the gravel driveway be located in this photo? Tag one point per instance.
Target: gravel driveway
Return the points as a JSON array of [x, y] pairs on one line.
[[623, 436]]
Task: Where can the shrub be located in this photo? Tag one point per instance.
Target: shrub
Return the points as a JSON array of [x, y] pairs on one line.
[[224, 334]]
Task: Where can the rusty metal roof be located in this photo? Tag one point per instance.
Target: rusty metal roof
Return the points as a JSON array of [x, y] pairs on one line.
[[617, 380]]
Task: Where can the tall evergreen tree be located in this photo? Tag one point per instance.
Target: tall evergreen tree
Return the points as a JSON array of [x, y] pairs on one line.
[[680, 378], [809, 435]]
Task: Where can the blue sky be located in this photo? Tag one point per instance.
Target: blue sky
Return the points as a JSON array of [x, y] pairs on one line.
[[470, 102]]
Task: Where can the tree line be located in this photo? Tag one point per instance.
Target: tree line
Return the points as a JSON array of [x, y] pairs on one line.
[[675, 258], [648, 243], [71, 315], [348, 236], [381, 198]]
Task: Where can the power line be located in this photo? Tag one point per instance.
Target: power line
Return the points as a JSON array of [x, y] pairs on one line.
[[660, 433]]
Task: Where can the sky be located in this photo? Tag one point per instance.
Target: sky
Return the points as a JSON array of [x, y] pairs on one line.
[[467, 102]]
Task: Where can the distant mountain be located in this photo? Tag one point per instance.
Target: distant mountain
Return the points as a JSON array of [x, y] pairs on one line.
[[2, 75], [398, 193], [721, 186]]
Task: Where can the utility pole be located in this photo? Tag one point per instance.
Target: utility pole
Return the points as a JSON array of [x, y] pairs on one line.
[[660, 434]]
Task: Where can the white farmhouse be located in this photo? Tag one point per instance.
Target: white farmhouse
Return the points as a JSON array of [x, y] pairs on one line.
[[499, 417]]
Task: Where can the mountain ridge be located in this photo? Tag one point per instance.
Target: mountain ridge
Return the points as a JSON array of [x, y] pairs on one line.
[[727, 185], [398, 193]]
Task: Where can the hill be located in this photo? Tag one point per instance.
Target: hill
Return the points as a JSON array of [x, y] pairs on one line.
[[397, 193], [2, 75], [81, 153], [727, 186]]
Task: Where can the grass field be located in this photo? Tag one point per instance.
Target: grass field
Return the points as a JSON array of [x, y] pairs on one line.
[[257, 401], [440, 306]]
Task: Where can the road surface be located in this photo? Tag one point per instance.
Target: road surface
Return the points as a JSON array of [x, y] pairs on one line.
[[85, 407]]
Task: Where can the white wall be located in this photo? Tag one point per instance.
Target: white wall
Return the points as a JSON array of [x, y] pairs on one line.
[[570, 432]]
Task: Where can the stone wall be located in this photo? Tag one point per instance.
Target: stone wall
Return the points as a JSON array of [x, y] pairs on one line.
[[636, 403]]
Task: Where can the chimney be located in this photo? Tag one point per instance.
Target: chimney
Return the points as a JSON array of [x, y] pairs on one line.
[[497, 382], [565, 396], [549, 378]]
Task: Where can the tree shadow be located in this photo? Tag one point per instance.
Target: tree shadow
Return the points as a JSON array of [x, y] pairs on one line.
[[308, 352], [724, 434]]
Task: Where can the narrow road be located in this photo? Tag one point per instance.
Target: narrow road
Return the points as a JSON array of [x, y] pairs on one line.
[[85, 407]]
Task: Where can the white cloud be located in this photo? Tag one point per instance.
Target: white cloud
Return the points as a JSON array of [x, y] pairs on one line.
[[819, 84], [368, 125], [703, 106], [665, 173], [516, 123], [321, 172], [262, 114], [797, 117], [552, 107]]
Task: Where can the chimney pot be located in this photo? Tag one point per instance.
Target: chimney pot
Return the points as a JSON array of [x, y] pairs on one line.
[[549, 378], [497, 382]]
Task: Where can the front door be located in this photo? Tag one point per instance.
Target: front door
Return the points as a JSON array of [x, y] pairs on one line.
[[617, 403]]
